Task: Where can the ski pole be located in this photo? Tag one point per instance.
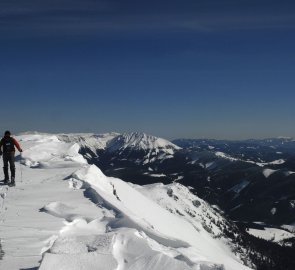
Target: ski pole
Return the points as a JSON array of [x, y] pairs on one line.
[[20, 168], [1, 158]]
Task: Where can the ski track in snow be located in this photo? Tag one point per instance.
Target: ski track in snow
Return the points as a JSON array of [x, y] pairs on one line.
[[66, 214]]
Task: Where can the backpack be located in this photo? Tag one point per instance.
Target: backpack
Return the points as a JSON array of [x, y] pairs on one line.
[[8, 145]]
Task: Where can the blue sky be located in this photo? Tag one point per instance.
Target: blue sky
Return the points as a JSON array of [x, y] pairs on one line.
[[215, 69]]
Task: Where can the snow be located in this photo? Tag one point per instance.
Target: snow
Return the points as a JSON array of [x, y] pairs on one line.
[[50, 152], [180, 177], [142, 141], [153, 147], [223, 155], [268, 172], [158, 175], [287, 173], [271, 234], [210, 165], [276, 162], [292, 203], [92, 141], [179, 200], [239, 187], [66, 214], [260, 164], [290, 227]]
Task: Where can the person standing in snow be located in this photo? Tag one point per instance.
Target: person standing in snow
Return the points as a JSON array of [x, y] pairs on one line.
[[8, 144]]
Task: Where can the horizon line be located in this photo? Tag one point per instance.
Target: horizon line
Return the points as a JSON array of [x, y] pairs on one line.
[[141, 132]]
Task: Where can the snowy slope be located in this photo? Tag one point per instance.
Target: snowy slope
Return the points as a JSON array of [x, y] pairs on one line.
[[152, 147], [260, 164], [91, 141], [271, 234], [69, 215], [141, 141], [137, 146], [113, 142]]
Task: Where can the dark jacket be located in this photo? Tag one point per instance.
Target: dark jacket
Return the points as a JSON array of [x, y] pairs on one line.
[[8, 144]]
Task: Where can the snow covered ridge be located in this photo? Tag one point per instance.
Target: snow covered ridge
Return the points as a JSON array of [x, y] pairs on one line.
[[143, 148], [141, 233], [92, 141], [48, 150], [271, 234], [260, 164], [152, 147], [114, 141], [141, 141], [69, 215]]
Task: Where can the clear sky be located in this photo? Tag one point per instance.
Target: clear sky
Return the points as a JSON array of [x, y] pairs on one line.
[[177, 68]]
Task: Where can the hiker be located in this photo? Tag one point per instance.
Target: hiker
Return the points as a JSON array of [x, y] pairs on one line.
[[8, 144]]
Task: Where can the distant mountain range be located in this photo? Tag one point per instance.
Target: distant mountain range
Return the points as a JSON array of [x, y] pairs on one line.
[[251, 181]]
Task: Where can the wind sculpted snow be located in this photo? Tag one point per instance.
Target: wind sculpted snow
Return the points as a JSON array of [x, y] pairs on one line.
[[66, 214]]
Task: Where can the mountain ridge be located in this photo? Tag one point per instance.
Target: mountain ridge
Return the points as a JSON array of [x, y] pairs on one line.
[[86, 218], [223, 179]]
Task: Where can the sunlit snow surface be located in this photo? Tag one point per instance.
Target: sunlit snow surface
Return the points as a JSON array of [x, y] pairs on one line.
[[260, 164], [268, 172], [271, 234], [66, 214]]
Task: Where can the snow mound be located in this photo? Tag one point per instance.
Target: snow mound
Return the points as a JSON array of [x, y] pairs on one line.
[[124, 249], [48, 151]]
